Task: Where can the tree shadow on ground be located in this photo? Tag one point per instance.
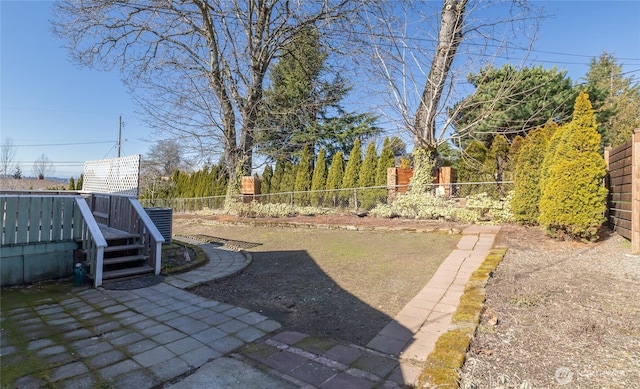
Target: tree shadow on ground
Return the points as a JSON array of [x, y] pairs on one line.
[[290, 287]]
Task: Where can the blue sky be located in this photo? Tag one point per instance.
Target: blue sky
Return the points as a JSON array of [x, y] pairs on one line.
[[50, 106]]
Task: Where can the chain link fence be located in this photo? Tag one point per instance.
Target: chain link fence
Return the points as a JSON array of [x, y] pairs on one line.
[[358, 200]]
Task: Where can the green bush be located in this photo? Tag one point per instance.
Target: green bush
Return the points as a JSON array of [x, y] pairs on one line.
[[351, 171], [495, 167], [303, 178], [319, 179], [386, 160], [334, 179], [367, 176], [471, 168], [573, 197], [527, 179]]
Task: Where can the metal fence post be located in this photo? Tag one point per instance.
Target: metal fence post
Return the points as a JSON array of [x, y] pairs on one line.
[[355, 199]]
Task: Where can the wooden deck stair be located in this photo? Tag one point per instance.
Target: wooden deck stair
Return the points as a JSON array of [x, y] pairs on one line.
[[124, 255]]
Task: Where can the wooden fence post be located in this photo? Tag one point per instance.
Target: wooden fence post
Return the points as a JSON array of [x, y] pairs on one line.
[[635, 190]]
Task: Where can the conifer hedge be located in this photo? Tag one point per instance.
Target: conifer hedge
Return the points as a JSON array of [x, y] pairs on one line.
[[573, 196]]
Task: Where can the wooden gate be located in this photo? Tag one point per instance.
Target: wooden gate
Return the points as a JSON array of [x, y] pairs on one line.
[[623, 182]]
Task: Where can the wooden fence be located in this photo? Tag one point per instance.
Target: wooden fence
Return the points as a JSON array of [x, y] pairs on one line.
[[623, 182]]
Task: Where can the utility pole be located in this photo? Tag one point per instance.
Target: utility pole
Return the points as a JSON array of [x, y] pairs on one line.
[[119, 135]]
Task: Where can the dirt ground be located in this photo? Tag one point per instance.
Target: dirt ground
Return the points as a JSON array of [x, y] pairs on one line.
[[336, 283], [559, 314]]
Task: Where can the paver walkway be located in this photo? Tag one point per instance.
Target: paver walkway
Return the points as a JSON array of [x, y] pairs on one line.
[[133, 338], [222, 263], [164, 336]]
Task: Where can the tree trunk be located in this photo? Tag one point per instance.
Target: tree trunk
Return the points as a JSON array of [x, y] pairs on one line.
[[449, 38]]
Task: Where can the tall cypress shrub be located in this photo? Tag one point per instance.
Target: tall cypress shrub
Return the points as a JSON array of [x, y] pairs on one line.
[[514, 152], [334, 179], [265, 186], [351, 171], [386, 160], [367, 177], [303, 178], [526, 198], [471, 168], [319, 179], [574, 197], [495, 166]]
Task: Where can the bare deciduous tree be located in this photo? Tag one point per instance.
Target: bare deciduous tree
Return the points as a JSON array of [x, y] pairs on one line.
[[423, 55], [7, 156], [164, 157], [196, 68], [43, 167]]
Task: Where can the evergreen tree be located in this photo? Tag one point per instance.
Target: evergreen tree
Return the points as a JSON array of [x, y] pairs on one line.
[[334, 179], [288, 182], [471, 168], [80, 182], [302, 106], [496, 165], [386, 160], [615, 99], [319, 179], [351, 172], [367, 177], [514, 152], [554, 135], [526, 198], [574, 197], [530, 96], [72, 184], [17, 173], [278, 174], [267, 174], [303, 178]]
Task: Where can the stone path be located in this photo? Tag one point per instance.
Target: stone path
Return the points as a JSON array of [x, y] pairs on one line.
[[222, 263], [165, 337]]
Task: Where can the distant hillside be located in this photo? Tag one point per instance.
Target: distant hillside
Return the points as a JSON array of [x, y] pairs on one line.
[[31, 184]]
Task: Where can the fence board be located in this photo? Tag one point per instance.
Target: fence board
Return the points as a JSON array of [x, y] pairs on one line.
[[56, 231], [626, 224], [67, 219], [624, 205], [625, 197], [23, 220], [621, 180], [9, 223], [45, 222], [34, 219]]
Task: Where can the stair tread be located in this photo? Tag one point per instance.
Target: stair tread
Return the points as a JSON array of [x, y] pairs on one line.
[[111, 233], [126, 272], [123, 247], [127, 258]]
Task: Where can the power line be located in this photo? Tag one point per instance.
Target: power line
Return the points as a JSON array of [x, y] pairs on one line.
[[64, 144]]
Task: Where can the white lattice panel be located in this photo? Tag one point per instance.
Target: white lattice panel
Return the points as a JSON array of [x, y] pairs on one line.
[[116, 175]]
